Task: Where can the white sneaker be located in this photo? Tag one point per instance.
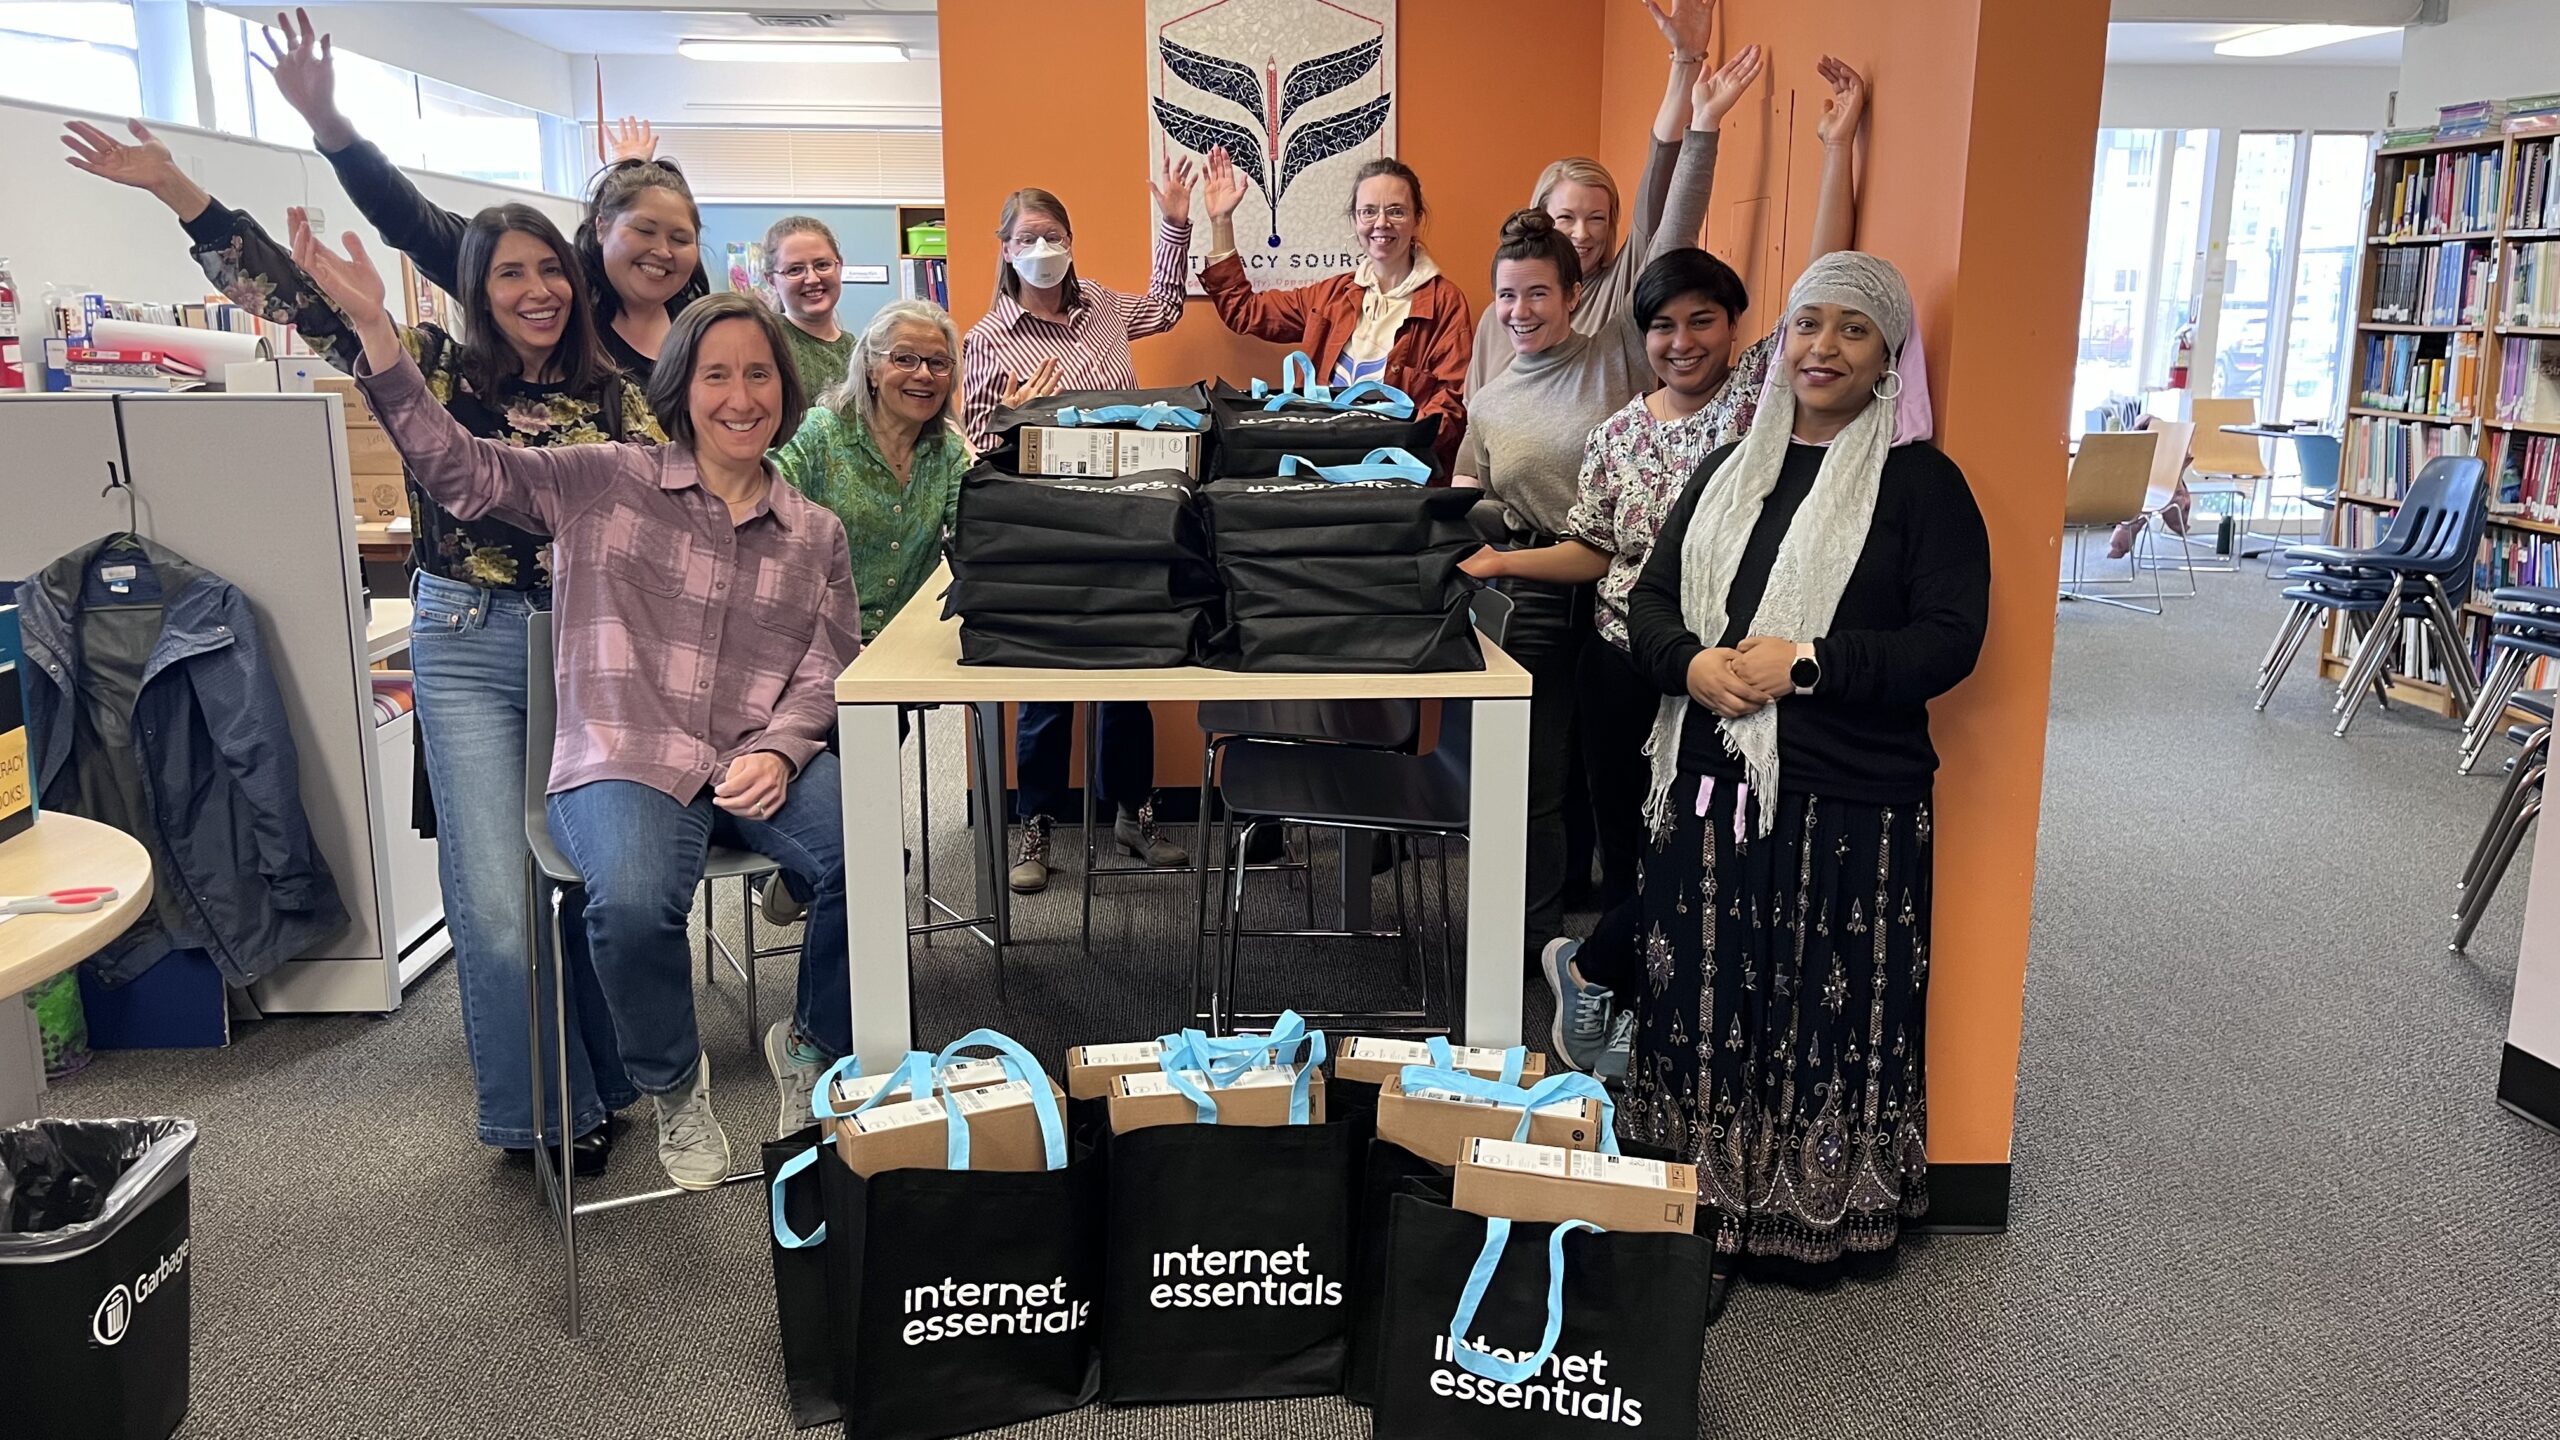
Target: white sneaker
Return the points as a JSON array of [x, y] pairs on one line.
[[796, 1071], [781, 907], [691, 1144]]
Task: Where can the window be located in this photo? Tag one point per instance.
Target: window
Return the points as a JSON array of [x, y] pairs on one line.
[[2324, 285], [2145, 216], [2258, 251], [84, 56]]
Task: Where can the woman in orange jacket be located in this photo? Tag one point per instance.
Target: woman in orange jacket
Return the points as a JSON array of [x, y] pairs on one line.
[[1396, 318]]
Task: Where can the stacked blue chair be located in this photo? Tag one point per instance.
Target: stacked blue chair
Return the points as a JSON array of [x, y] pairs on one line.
[[2525, 630], [2517, 807], [2420, 571]]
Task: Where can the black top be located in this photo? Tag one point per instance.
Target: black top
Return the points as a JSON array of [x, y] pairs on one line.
[[1908, 628]]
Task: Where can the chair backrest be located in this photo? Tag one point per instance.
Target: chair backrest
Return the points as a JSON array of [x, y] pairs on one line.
[[2109, 477], [2437, 528], [541, 724], [2221, 454], [2319, 456], [2169, 461]]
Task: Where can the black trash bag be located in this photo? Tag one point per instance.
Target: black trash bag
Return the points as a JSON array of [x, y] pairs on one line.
[[55, 1174]]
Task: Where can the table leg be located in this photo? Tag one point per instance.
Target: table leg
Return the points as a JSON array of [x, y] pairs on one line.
[[875, 884], [1359, 858], [21, 1061], [1497, 872]]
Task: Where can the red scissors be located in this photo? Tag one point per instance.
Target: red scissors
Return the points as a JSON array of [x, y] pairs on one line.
[[75, 901]]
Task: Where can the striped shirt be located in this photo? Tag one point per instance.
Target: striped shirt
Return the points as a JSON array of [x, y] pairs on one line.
[[686, 638], [1091, 348]]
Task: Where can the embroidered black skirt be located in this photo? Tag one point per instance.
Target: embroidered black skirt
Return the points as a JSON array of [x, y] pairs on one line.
[[1780, 1017]]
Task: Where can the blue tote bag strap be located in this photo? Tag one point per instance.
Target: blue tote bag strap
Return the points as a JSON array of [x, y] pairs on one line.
[[1514, 1060], [1018, 1066], [783, 1234], [1476, 1362], [821, 1100], [1572, 1086], [1384, 463], [1391, 402], [1160, 415], [1297, 382], [1226, 1068], [913, 1075]]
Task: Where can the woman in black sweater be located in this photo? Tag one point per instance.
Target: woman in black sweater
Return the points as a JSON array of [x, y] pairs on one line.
[[1815, 588]]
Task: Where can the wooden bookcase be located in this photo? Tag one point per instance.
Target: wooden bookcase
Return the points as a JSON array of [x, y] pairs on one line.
[[2384, 446]]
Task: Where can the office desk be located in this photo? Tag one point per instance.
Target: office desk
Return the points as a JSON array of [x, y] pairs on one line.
[[916, 661], [61, 852]]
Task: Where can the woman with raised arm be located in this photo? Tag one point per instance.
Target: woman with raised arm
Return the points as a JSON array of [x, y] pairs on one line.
[[1671, 203], [1817, 586], [1395, 318], [1053, 330], [639, 242], [529, 372], [705, 610]]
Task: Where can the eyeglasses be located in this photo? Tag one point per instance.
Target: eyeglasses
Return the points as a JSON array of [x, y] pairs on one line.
[[907, 362], [1392, 214], [806, 268]]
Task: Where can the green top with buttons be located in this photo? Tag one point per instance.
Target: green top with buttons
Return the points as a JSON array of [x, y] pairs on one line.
[[895, 532]]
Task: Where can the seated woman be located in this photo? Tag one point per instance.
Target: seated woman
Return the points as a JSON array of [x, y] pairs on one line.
[[1816, 588], [1395, 318], [704, 612]]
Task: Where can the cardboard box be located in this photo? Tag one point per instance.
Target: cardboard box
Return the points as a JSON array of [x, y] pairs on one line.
[[1092, 1068], [1257, 1097], [380, 499], [1547, 1185], [1438, 1127], [1375, 1059], [960, 1075], [291, 374], [1004, 1131], [1088, 452], [370, 451]]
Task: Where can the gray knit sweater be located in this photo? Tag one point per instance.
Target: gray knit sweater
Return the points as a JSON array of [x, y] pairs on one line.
[[1527, 427]]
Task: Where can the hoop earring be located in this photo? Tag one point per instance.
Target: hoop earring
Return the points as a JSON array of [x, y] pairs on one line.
[[1894, 393]]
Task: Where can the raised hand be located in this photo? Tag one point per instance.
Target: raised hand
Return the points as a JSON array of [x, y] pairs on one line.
[[145, 164], [349, 280], [629, 138], [1173, 189], [1716, 92], [1222, 187], [306, 75], [1840, 113], [1041, 381], [1688, 24]]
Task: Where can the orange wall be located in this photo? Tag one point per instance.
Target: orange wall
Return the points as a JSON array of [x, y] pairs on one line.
[[1976, 182]]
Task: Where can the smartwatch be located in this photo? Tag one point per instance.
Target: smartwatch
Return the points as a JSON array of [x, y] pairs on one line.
[[1807, 671]]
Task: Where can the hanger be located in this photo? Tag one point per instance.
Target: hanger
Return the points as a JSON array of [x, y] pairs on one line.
[[120, 477]]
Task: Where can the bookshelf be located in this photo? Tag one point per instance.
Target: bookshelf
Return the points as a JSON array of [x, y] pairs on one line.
[[924, 267], [2457, 352]]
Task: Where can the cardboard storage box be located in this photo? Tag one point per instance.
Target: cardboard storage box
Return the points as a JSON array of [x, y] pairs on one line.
[[1438, 1127], [1547, 1185], [370, 451], [1092, 1068], [1004, 1131], [1375, 1060], [381, 499], [1257, 1097], [1071, 452], [961, 1075]]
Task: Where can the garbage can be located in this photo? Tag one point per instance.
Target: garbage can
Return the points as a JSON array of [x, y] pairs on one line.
[[94, 1276]]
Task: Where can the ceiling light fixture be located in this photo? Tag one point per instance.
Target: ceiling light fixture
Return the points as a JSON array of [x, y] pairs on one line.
[[2294, 39], [792, 52]]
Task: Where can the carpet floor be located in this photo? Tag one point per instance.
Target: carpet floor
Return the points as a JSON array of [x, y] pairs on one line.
[[2261, 1187]]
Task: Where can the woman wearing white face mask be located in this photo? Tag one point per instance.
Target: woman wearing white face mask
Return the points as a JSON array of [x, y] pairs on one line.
[[1052, 330]]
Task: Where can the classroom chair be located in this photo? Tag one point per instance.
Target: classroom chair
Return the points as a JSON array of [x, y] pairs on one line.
[[2524, 631], [2318, 457], [2109, 483], [2518, 806], [2228, 465]]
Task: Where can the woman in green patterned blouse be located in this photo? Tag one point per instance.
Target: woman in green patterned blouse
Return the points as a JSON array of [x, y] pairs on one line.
[[884, 450]]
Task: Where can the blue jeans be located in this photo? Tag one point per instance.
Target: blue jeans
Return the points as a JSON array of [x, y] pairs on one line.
[[1126, 772], [468, 647], [641, 854]]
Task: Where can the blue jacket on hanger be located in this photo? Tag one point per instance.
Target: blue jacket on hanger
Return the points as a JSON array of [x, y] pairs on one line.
[[150, 708]]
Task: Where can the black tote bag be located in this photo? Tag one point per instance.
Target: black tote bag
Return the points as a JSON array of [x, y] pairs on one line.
[[1252, 435], [1286, 515], [961, 1300], [1046, 410], [1066, 640], [1584, 1332], [1428, 580], [1151, 515], [800, 1281], [1101, 587], [1358, 644]]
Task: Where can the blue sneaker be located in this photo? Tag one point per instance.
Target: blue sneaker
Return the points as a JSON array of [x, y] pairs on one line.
[[1621, 1048], [1583, 1012]]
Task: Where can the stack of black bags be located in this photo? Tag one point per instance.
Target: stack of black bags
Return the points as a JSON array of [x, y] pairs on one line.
[[1085, 573]]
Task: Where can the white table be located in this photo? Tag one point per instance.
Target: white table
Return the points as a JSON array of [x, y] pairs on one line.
[[916, 661]]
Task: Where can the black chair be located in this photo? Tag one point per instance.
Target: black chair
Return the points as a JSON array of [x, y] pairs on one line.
[[1343, 787], [2524, 629], [2517, 807], [2420, 571]]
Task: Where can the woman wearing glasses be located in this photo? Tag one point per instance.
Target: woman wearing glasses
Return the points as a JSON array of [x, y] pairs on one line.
[[806, 271], [1395, 318]]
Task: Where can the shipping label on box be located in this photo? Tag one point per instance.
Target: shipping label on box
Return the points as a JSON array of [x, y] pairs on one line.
[[1373, 1059], [1092, 1068], [856, 1089], [1004, 1131], [1070, 451], [1159, 450], [1547, 1185], [1436, 1124], [1257, 1097]]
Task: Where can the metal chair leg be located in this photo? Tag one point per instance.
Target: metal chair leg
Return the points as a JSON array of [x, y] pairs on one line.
[[2476, 904], [2506, 673], [2524, 779], [568, 1169], [2299, 627], [2460, 678], [2294, 615], [1222, 999], [1092, 738], [747, 909], [2373, 659], [924, 821], [1200, 853]]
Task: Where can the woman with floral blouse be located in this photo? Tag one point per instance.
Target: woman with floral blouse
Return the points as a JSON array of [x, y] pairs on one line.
[[532, 373]]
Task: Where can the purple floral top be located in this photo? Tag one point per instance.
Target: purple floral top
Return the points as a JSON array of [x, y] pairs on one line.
[[1634, 468]]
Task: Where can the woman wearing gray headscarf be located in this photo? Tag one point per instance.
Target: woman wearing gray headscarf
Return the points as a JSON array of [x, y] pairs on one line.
[[1817, 586]]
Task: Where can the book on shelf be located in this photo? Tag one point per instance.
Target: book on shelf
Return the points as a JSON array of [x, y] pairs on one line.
[[921, 278], [2445, 284], [2382, 456], [2470, 120], [2532, 296], [2447, 193], [2533, 193], [2529, 381], [2431, 375], [2524, 475]]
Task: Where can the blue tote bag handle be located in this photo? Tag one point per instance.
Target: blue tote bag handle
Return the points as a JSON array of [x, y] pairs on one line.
[[1297, 382], [1160, 415], [1511, 1372], [1443, 1058], [1384, 463], [1234, 1054], [1391, 402], [1018, 1065], [783, 1234], [1204, 1102], [1571, 1085]]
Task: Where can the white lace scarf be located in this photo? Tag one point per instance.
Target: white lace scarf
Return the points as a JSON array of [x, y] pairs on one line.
[[1821, 547]]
